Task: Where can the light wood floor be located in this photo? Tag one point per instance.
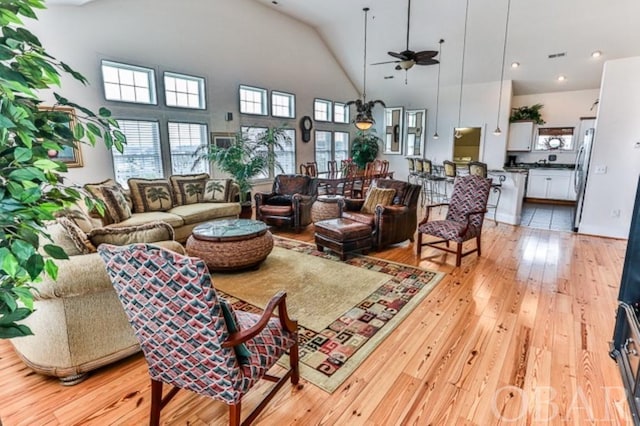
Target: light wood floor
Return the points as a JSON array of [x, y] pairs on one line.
[[518, 336]]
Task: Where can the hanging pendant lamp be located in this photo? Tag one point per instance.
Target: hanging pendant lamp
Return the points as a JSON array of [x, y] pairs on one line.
[[364, 116], [435, 134], [497, 131], [458, 134]]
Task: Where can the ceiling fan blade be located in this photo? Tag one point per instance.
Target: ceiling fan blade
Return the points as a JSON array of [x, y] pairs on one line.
[[427, 61], [425, 54], [387, 62], [400, 55]]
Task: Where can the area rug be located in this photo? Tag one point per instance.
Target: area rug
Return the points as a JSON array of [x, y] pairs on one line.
[[344, 309]]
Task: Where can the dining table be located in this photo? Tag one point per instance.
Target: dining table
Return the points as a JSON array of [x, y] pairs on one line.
[[332, 180]]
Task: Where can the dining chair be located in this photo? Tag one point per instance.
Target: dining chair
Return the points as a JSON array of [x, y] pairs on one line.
[[332, 166], [193, 339]]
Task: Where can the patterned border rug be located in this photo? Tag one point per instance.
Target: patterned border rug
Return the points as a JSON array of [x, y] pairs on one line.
[[329, 355]]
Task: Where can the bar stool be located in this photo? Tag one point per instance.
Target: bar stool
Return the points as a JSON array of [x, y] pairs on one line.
[[480, 169], [450, 173], [432, 183]]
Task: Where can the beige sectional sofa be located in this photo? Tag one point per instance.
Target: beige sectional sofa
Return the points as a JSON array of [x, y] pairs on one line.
[[188, 201]]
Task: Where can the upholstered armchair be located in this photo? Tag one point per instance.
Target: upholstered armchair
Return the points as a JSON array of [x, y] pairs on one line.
[[289, 202], [463, 222], [193, 339], [392, 223]]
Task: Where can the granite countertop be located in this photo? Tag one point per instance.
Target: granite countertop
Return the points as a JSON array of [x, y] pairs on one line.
[[523, 167]]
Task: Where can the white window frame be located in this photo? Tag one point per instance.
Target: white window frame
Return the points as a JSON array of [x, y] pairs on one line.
[[263, 100], [316, 111], [137, 84], [186, 130], [340, 106], [292, 104], [333, 154], [135, 169], [187, 93]]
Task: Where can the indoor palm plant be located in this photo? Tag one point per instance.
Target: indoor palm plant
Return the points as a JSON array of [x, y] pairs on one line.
[[531, 113], [32, 189], [365, 147], [246, 158]]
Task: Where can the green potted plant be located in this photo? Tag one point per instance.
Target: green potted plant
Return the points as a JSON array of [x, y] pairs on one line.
[[247, 158], [365, 147], [32, 189], [527, 113]]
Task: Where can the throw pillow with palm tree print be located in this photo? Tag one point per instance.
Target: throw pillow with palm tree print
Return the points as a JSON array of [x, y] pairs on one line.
[[150, 195], [216, 190], [188, 189]]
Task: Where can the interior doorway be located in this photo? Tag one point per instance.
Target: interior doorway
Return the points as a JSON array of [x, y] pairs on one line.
[[467, 147]]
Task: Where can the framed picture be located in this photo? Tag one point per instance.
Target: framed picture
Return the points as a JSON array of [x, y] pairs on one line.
[[222, 139], [71, 156], [393, 119]]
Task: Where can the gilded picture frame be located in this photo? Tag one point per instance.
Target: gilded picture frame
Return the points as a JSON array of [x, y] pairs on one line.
[[71, 156]]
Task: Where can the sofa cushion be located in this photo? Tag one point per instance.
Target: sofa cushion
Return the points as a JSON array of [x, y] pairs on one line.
[[116, 203], [216, 190], [377, 196], [95, 189], [202, 212], [188, 189], [150, 195], [148, 233], [269, 210], [80, 217], [142, 218], [280, 200], [78, 236]]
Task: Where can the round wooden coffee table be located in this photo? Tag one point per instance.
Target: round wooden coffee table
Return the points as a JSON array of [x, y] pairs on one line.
[[230, 244]]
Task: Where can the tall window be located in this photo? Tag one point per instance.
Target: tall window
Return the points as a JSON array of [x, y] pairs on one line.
[[128, 83], [331, 146], [184, 140], [340, 146], [285, 156], [340, 113], [141, 156], [283, 104], [322, 110], [253, 100], [184, 91]]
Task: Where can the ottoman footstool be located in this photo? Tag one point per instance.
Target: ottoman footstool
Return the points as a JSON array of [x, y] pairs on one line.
[[343, 236]]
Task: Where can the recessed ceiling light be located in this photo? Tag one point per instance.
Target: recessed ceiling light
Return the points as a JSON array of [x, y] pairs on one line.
[[515, 64], [596, 54], [562, 77]]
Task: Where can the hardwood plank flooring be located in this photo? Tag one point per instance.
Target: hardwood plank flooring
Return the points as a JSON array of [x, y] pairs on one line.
[[518, 336]]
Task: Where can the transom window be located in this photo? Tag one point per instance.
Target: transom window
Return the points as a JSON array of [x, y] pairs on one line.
[[340, 113], [322, 110], [253, 100], [184, 140], [184, 91], [128, 83], [283, 104], [141, 156]]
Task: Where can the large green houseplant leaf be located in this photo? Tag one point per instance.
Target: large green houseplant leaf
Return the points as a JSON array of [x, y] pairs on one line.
[[32, 188], [365, 147]]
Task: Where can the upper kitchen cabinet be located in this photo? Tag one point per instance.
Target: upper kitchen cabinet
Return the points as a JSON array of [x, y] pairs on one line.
[[520, 136]]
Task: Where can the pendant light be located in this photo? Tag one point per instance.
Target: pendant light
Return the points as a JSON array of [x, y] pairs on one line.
[[497, 131], [458, 134], [364, 118], [435, 134]]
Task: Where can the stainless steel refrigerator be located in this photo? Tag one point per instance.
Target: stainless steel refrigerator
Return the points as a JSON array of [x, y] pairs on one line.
[[581, 171]]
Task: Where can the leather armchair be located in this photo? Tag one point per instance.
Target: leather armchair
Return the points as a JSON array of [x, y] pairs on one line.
[[289, 202], [390, 224]]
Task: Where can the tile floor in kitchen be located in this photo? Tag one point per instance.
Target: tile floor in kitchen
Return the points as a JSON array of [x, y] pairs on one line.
[[547, 216]]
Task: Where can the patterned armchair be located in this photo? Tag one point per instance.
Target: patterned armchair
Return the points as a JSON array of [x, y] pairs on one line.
[[464, 218], [390, 224], [289, 202], [191, 338]]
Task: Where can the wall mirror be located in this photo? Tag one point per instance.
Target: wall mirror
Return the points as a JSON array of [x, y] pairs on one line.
[[393, 130], [415, 120]]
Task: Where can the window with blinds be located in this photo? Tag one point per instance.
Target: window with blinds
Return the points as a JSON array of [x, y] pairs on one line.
[[340, 146], [285, 156], [141, 157], [184, 141], [323, 149]]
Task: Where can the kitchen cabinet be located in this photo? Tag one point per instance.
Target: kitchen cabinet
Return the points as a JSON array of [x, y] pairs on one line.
[[520, 136], [551, 184]]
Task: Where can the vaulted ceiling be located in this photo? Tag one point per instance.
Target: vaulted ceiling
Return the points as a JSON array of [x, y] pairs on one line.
[[537, 29]]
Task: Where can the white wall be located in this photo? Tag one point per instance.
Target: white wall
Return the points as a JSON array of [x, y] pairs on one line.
[[226, 42], [561, 109], [616, 147], [479, 109]]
